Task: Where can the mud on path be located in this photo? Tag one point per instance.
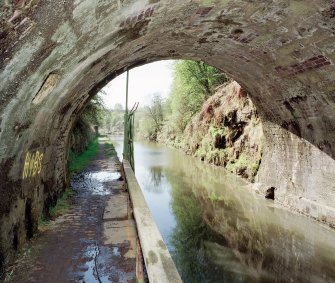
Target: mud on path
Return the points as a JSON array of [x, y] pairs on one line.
[[75, 249]]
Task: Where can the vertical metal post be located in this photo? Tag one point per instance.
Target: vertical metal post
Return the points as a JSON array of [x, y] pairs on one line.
[[125, 132], [127, 87], [128, 139]]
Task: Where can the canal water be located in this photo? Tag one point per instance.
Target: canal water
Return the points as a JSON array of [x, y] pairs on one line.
[[218, 230]]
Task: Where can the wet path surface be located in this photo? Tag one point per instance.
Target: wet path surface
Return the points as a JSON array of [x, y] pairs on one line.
[[80, 246]]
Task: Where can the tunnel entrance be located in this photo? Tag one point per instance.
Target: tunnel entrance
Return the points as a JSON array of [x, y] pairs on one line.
[[56, 56]]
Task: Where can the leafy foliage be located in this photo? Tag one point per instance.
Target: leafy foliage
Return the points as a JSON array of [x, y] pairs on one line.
[[152, 118], [94, 111], [83, 131], [113, 119], [194, 82]]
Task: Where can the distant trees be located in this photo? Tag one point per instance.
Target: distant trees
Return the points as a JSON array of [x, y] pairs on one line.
[[152, 118], [113, 119], [118, 107]]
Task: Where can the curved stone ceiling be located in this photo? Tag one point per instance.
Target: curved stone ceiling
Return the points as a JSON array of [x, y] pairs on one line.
[[55, 55]]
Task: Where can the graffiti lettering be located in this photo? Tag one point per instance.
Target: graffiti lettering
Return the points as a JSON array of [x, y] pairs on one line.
[[32, 164]]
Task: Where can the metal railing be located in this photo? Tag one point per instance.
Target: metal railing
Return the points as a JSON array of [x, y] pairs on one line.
[[128, 145]]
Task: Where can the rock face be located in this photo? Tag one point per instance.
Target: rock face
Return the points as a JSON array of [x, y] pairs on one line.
[[227, 132], [55, 55]]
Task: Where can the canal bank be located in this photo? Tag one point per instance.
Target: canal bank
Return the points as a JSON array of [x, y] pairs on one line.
[[99, 240], [218, 230], [96, 241]]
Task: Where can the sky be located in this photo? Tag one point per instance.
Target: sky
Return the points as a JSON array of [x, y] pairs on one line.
[[144, 82]]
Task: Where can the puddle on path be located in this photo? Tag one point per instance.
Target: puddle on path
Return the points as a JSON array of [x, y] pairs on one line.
[[74, 249], [95, 182]]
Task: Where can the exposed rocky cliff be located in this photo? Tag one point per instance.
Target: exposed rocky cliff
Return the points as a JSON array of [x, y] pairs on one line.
[[227, 132]]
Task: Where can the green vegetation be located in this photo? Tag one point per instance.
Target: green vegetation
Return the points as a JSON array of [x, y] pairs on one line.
[[94, 111], [23, 255], [109, 148], [242, 162], [214, 131], [9, 275], [207, 118], [60, 208], [84, 130], [213, 197], [152, 118], [112, 120], [77, 162], [193, 83], [62, 205], [255, 166], [43, 222]]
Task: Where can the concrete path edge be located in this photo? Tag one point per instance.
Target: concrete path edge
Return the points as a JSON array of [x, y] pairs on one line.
[[158, 261]]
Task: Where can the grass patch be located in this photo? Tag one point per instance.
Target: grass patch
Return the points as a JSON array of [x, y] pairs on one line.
[[78, 162], [110, 149], [62, 205], [21, 258], [43, 222], [255, 167], [9, 275]]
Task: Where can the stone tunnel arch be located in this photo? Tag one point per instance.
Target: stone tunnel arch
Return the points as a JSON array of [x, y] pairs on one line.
[[56, 56]]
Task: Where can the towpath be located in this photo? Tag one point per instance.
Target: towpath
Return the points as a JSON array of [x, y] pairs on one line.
[[95, 242]]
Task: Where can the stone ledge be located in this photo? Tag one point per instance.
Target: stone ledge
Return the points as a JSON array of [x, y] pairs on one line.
[[310, 208], [159, 264]]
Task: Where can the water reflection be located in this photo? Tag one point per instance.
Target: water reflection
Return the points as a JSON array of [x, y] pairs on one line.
[[238, 237], [219, 231], [192, 240], [156, 176]]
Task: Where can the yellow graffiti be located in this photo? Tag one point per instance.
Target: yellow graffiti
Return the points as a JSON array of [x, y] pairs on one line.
[[32, 164]]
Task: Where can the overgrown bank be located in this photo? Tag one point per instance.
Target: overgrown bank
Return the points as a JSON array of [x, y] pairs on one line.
[[227, 131]]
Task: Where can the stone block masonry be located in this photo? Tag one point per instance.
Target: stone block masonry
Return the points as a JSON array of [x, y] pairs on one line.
[[55, 55], [312, 63]]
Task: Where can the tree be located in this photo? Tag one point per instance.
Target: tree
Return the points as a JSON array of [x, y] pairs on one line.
[[83, 132], [94, 111], [155, 111], [194, 82], [152, 119], [118, 107]]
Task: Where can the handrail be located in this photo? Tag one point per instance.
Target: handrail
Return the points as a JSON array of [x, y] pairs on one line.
[[159, 264]]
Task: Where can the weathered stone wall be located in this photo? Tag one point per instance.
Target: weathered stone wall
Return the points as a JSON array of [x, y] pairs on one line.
[[56, 54]]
